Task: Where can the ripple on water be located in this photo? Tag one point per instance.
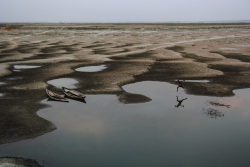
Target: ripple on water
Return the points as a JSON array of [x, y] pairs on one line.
[[19, 67], [63, 82], [91, 68]]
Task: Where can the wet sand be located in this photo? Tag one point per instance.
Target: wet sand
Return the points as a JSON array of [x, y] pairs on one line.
[[17, 162], [219, 54]]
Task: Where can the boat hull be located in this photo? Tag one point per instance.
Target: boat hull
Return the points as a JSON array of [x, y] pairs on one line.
[[55, 96], [73, 94]]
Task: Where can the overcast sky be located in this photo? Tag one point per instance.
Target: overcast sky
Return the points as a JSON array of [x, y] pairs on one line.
[[123, 10]]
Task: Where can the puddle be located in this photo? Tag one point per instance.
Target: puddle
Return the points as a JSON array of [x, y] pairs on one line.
[[1, 94], [91, 68], [196, 80], [228, 48], [2, 83], [104, 132], [20, 67], [63, 82]]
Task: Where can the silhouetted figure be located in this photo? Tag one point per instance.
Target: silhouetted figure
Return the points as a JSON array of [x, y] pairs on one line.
[[179, 102], [180, 84]]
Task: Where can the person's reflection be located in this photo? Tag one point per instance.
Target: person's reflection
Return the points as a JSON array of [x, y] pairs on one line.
[[179, 102]]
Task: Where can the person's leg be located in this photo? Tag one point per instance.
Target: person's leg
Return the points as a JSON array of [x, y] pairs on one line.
[[177, 88]]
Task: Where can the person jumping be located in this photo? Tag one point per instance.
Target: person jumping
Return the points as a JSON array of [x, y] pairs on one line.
[[180, 84]]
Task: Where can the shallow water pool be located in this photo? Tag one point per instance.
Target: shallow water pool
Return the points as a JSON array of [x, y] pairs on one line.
[[63, 82], [91, 68], [20, 67], [196, 81], [162, 132]]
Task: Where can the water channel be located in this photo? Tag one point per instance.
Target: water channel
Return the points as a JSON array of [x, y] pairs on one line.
[[105, 132]]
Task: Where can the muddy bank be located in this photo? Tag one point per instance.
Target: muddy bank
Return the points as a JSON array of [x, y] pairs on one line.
[[130, 57], [20, 162]]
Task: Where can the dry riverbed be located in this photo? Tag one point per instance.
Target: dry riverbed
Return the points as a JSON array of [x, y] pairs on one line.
[[218, 55]]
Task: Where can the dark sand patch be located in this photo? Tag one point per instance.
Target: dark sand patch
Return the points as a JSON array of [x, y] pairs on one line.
[[52, 49], [197, 58], [4, 45], [98, 45], [143, 55], [23, 48], [99, 51], [105, 52], [44, 56], [238, 56], [176, 48], [5, 55], [55, 43], [126, 45]]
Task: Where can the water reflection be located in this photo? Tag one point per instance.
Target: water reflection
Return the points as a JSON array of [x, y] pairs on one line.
[[80, 100], [213, 113], [105, 132], [179, 102], [49, 99]]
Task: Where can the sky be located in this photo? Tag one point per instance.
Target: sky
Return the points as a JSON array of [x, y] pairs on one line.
[[123, 10]]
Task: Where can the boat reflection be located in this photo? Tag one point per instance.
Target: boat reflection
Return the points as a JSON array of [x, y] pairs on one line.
[[80, 100], [49, 99], [83, 101]]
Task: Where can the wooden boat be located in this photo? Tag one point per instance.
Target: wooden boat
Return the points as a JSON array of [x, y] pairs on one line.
[[72, 93], [80, 100], [55, 96]]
